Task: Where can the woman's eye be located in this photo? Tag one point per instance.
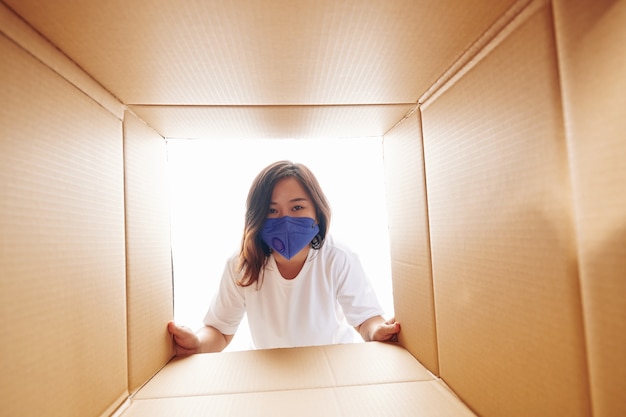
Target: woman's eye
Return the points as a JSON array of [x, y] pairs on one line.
[[271, 211], [296, 208]]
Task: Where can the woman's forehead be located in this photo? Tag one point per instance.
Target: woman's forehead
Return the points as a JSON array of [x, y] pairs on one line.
[[288, 188]]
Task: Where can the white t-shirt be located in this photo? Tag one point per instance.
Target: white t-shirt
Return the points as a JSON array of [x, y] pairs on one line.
[[330, 295]]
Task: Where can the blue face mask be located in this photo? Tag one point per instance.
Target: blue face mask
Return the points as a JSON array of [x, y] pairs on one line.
[[289, 235]]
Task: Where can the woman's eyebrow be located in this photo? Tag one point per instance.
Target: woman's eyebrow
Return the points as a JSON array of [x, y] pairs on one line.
[[293, 200]]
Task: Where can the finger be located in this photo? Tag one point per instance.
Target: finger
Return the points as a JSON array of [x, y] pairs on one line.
[[174, 328], [391, 329], [391, 321], [178, 331], [395, 325], [171, 326]]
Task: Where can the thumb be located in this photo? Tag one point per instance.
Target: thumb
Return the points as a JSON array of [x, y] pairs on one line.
[[175, 329], [390, 330], [393, 325], [171, 326]]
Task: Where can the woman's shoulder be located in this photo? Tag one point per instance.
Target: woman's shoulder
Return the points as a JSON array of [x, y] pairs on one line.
[[233, 258], [336, 248], [337, 259], [232, 262]]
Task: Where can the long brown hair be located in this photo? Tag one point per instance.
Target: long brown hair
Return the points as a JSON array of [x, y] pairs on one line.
[[254, 251]]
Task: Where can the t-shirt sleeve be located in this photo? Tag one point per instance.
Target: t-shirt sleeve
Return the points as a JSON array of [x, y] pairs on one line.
[[228, 305], [355, 292]]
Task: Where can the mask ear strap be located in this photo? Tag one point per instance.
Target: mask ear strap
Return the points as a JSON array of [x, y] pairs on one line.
[[316, 243]]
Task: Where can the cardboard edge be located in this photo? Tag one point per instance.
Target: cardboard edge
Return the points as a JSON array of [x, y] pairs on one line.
[[118, 406], [491, 38], [276, 121], [140, 176], [404, 144], [131, 395], [19, 31]]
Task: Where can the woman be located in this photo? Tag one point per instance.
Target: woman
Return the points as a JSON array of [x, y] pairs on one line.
[[297, 286]]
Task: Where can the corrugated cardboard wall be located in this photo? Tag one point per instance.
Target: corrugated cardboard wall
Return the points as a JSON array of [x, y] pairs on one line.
[[148, 250], [525, 184], [83, 204], [409, 240], [505, 273], [63, 295], [592, 58]]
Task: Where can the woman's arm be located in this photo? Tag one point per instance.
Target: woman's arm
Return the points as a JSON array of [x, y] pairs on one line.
[[205, 340], [377, 329]]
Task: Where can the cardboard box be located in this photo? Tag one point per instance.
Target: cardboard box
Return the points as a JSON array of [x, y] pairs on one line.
[[304, 381], [503, 135]]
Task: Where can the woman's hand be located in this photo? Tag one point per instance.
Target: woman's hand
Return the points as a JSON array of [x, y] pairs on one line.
[[377, 329], [187, 342], [207, 339], [387, 331]]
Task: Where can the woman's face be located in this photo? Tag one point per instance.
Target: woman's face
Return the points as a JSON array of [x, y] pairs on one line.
[[289, 198]]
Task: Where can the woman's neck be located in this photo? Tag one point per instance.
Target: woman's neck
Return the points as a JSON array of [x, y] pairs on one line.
[[289, 269]]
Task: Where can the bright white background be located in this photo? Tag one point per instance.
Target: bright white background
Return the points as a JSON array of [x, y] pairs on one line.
[[209, 182]]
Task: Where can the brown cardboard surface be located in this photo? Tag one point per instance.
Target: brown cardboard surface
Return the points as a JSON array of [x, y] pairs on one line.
[[413, 398], [148, 252], [509, 318], [316, 53], [409, 240], [271, 53], [304, 402], [62, 292], [272, 122], [373, 363], [241, 371], [284, 369], [424, 398], [19, 32], [591, 36]]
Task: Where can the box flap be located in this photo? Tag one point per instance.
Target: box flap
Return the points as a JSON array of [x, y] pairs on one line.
[[62, 276], [150, 292], [425, 398], [592, 59], [284, 369], [509, 320], [410, 240]]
